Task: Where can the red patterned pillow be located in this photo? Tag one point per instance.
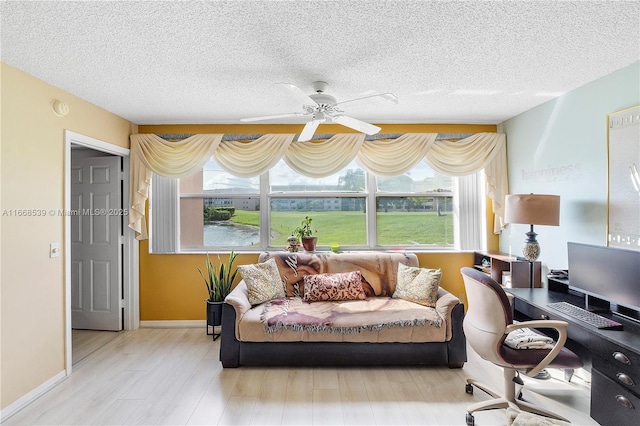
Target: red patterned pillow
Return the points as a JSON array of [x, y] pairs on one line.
[[342, 286]]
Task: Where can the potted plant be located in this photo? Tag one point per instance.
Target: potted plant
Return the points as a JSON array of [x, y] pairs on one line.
[[218, 280], [305, 234]]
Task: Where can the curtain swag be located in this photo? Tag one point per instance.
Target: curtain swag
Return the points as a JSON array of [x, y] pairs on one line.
[[152, 154]]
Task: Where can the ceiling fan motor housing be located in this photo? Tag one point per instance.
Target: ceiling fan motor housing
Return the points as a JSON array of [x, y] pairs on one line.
[[320, 86], [323, 99]]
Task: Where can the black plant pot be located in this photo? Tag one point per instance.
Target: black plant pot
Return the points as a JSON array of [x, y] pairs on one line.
[[214, 317]]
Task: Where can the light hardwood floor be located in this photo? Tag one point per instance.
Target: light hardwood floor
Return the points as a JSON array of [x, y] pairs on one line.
[[173, 377], [86, 342]]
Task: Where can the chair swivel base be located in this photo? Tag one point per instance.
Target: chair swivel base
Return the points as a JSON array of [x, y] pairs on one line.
[[502, 401]]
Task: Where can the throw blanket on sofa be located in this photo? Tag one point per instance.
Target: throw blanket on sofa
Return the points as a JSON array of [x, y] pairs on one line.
[[350, 316]]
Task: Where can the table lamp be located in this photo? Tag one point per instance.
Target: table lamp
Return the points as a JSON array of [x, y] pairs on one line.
[[532, 209]]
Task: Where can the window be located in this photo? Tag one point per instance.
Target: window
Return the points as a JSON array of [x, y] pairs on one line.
[[337, 205], [415, 209], [420, 209], [219, 209]]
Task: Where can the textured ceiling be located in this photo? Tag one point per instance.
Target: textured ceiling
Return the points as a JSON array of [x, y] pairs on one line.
[[216, 62]]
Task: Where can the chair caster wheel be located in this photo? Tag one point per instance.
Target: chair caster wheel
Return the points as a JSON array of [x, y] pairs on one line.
[[470, 420], [520, 396], [469, 389]]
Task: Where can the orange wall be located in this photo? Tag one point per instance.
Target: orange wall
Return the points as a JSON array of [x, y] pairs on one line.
[[170, 286]]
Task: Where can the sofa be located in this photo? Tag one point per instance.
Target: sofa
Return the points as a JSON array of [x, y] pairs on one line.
[[340, 309]]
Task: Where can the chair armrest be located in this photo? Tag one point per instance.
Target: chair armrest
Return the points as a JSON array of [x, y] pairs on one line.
[[559, 326]]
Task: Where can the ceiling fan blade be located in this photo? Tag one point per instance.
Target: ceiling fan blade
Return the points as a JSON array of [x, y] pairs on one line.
[[302, 97], [354, 124], [390, 97], [309, 130], [271, 117]]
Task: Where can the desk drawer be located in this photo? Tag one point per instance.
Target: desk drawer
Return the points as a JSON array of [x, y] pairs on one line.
[[620, 373], [619, 357], [612, 404]]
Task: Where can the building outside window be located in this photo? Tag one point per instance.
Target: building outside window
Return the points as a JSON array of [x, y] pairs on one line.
[[353, 208]]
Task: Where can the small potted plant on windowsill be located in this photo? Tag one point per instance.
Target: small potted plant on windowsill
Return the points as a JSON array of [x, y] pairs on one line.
[[305, 234], [218, 280]]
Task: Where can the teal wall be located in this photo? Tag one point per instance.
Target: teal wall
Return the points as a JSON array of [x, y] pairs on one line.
[[560, 147]]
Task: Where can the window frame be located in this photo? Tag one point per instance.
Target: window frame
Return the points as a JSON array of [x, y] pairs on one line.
[[370, 194]]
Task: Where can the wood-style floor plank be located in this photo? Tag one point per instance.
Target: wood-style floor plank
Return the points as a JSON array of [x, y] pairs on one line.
[[356, 409], [298, 408], [173, 377]]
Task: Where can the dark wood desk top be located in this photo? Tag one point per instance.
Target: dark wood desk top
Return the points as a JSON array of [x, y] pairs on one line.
[[581, 332]]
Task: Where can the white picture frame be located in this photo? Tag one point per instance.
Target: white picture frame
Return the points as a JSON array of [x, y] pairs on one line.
[[623, 204]]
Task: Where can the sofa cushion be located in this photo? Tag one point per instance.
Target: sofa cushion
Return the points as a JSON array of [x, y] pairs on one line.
[[341, 286], [418, 285], [413, 323], [263, 281]]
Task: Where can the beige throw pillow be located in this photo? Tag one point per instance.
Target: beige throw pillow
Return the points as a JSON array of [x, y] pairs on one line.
[[418, 285], [263, 281]]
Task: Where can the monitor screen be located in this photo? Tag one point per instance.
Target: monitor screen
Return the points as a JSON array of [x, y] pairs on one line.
[[612, 274]]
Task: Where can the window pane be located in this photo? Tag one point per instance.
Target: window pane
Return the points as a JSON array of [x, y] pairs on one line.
[[219, 221], [337, 220], [406, 221], [282, 178], [419, 179], [213, 215], [215, 179]]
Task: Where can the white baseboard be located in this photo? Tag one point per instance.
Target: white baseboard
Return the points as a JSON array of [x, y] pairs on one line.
[[173, 324], [27, 399]]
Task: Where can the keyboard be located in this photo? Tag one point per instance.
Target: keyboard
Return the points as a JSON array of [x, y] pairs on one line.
[[583, 315]]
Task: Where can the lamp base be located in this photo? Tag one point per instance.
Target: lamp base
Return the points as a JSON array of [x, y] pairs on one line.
[[531, 248], [531, 251]]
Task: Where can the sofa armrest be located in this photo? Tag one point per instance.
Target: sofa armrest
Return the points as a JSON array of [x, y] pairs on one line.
[[445, 304], [239, 299]]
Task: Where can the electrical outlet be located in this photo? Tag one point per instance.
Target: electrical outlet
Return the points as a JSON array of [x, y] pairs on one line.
[[54, 250]]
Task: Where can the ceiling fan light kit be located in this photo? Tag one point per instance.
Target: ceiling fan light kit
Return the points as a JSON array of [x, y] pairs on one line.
[[321, 107]]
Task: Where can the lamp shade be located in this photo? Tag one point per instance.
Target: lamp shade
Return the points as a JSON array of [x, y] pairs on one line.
[[532, 209]]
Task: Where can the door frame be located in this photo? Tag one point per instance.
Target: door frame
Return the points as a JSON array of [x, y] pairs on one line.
[[131, 289]]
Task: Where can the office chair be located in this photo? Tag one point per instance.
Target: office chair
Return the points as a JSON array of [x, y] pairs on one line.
[[488, 321]]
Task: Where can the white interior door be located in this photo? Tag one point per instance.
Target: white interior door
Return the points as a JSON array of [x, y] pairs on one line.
[[96, 255]]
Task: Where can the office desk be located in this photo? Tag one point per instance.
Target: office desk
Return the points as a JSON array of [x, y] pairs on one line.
[[614, 356]]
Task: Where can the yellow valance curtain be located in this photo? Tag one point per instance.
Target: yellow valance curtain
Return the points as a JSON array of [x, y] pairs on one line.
[[324, 158], [486, 151], [394, 157], [252, 158], [150, 153]]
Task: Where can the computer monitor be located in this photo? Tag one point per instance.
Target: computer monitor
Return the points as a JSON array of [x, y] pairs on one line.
[[608, 273]]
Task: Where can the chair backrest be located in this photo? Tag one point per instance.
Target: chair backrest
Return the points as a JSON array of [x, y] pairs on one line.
[[488, 314]]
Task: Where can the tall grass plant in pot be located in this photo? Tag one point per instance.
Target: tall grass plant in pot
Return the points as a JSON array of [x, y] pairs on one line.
[[218, 279]]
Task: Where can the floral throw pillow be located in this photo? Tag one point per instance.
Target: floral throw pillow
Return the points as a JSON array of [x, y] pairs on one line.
[[418, 285], [325, 287], [263, 281]]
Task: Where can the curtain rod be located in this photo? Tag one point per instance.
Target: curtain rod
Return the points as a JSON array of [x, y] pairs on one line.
[[244, 137]]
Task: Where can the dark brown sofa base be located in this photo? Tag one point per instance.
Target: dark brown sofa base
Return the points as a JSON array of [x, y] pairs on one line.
[[234, 353]]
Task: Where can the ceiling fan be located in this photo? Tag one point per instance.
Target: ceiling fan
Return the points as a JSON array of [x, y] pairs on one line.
[[321, 107]]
